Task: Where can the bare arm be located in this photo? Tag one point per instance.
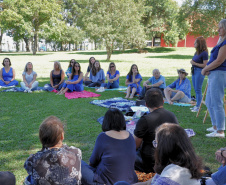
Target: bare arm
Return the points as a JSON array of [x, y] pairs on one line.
[[62, 77], [128, 82], [51, 78], [79, 79], [14, 74], [198, 64], [220, 59], [156, 84], [146, 83], [1, 77], [138, 141], [34, 78]]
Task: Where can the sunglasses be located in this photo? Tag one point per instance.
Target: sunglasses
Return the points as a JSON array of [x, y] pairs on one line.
[[77, 66], [112, 66], [154, 142]]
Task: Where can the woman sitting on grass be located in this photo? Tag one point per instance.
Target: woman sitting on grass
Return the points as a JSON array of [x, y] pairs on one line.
[[75, 80], [7, 74], [70, 66], [112, 77], [133, 80], [29, 83], [182, 92], [56, 163], [96, 77], [113, 155], [91, 62], [56, 78]]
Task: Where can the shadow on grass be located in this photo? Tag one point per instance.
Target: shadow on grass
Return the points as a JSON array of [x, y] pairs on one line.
[[87, 61], [172, 56], [117, 52]]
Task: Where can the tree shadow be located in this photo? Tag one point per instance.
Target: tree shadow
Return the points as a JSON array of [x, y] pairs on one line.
[[172, 56], [87, 61]]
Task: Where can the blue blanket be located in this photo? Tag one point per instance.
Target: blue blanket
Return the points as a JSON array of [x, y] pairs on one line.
[[19, 89], [119, 103], [120, 88]]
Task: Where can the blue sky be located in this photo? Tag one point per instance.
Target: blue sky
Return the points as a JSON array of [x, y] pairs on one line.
[[179, 2]]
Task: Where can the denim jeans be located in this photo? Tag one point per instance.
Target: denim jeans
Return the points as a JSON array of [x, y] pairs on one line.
[[144, 90], [220, 176], [93, 84], [88, 174], [109, 85], [214, 98], [197, 80], [34, 86], [48, 87]]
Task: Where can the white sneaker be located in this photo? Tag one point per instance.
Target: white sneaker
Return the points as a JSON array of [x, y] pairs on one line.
[[215, 134], [211, 129], [101, 89], [195, 109], [192, 108], [25, 91], [29, 91]]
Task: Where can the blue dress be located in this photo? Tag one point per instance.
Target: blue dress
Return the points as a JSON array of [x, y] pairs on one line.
[[134, 85], [7, 77], [74, 87]]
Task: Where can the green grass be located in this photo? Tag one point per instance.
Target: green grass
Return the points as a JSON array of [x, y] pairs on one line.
[[22, 113]]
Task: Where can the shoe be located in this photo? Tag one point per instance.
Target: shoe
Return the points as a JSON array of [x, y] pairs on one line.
[[29, 91], [25, 91], [192, 108], [195, 109], [101, 89], [215, 134], [211, 129]]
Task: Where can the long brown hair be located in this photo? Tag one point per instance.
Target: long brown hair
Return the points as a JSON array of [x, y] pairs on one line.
[[174, 147], [201, 45], [50, 131], [72, 60], [73, 69], [94, 70], [131, 72]]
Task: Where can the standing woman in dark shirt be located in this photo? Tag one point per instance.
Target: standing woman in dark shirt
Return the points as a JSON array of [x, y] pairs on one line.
[[198, 62], [113, 155], [56, 78]]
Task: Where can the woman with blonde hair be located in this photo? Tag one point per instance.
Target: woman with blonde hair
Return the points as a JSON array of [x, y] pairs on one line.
[[29, 78], [216, 71], [57, 76]]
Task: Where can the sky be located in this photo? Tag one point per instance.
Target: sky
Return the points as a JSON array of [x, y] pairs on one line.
[[179, 2]]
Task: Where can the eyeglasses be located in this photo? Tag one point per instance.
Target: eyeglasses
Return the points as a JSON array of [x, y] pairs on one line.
[[181, 72], [154, 142], [112, 66]]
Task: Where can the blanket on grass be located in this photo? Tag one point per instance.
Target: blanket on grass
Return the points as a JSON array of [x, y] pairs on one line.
[[120, 88], [19, 89], [119, 103], [82, 94], [131, 125]]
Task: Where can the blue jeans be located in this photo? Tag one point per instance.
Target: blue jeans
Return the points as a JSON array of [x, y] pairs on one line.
[[144, 90], [197, 80], [220, 176], [214, 98], [48, 87], [109, 85], [88, 174]]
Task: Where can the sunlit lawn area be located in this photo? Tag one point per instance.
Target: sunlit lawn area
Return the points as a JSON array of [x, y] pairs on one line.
[[22, 113]]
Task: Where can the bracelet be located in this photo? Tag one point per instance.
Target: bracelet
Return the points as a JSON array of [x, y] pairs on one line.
[[222, 152]]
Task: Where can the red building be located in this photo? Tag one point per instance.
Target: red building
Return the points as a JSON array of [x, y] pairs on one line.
[[190, 39]]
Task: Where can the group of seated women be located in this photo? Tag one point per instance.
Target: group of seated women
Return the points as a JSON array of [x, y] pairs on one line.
[[95, 79], [113, 156]]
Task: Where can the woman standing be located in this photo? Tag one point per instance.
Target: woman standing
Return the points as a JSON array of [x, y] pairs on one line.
[[133, 80], [75, 80], [29, 79], [198, 62], [216, 71], [113, 155], [56, 78], [7, 74], [182, 91]]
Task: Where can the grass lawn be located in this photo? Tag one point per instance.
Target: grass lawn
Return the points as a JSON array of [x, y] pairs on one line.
[[22, 113]]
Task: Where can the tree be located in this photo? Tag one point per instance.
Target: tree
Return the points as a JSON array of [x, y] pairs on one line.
[[204, 15], [164, 17], [113, 21]]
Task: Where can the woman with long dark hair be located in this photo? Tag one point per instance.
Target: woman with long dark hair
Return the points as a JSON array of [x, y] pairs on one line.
[[75, 80], [198, 62]]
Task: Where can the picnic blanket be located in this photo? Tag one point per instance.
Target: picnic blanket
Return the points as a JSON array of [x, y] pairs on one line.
[[181, 104], [119, 103], [131, 125], [19, 89], [75, 94], [120, 88]]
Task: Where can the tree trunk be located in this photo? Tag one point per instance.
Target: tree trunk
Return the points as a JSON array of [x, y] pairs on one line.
[[35, 43], [109, 49], [27, 43], [1, 41], [17, 46]]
